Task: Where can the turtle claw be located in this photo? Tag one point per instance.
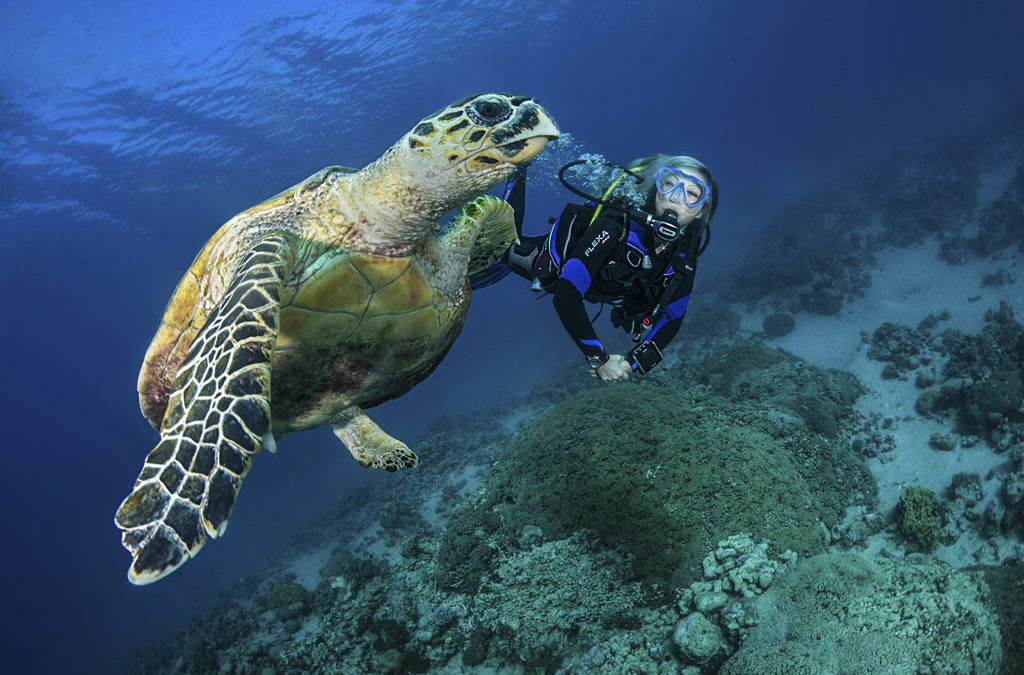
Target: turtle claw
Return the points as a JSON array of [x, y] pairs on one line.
[[390, 459], [160, 554], [370, 445], [160, 530]]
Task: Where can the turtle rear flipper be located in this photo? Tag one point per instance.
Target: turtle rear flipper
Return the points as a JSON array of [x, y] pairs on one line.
[[217, 417], [370, 445]]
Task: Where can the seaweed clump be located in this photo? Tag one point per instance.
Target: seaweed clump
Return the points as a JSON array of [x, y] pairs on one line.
[[920, 518]]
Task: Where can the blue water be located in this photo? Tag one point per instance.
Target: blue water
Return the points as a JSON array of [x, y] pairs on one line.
[[128, 134]]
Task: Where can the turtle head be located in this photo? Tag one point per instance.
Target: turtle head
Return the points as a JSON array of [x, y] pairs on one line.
[[448, 159], [471, 145]]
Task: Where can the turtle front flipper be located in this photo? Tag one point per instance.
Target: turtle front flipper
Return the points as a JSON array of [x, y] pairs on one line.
[[217, 416], [370, 445], [484, 228]]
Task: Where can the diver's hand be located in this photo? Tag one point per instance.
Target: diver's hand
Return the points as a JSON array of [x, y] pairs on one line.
[[615, 368]]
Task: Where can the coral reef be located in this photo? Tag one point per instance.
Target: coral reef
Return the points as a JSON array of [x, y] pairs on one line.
[[897, 344], [1001, 224], [750, 373], [927, 198], [286, 594], [812, 258], [715, 321], [817, 253], [738, 570], [531, 606], [1006, 600], [981, 375], [1006, 513], [843, 613], [778, 324], [682, 469]]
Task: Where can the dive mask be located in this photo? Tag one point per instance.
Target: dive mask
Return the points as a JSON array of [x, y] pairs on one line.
[[678, 187]]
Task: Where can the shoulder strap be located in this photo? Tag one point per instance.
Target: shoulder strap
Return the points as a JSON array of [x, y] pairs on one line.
[[623, 235], [684, 266]]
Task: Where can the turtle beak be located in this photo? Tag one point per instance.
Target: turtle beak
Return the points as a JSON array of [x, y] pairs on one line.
[[531, 139], [521, 152]]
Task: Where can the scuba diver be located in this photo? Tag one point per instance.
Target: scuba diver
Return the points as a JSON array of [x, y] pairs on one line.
[[638, 255]]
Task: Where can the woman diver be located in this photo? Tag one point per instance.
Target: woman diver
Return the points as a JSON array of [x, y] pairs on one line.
[[641, 260]]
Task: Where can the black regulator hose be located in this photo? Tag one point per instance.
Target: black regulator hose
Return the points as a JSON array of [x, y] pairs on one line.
[[635, 214]]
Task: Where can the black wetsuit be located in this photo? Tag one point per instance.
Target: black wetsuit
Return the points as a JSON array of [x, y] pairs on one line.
[[600, 268], [606, 265]]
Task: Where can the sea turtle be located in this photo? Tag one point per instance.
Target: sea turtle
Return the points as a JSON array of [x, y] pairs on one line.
[[331, 297]]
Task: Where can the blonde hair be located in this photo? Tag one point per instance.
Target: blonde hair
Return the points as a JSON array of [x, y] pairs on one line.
[[647, 169]]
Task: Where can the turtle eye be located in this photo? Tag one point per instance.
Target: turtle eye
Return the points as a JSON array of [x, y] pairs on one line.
[[489, 111]]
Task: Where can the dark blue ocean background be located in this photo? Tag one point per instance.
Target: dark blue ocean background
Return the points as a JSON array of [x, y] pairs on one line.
[[130, 131]]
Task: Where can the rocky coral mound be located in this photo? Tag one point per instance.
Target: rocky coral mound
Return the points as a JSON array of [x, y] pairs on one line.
[[679, 469], [979, 378], [1001, 224], [821, 398], [843, 613], [532, 608], [811, 258]]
